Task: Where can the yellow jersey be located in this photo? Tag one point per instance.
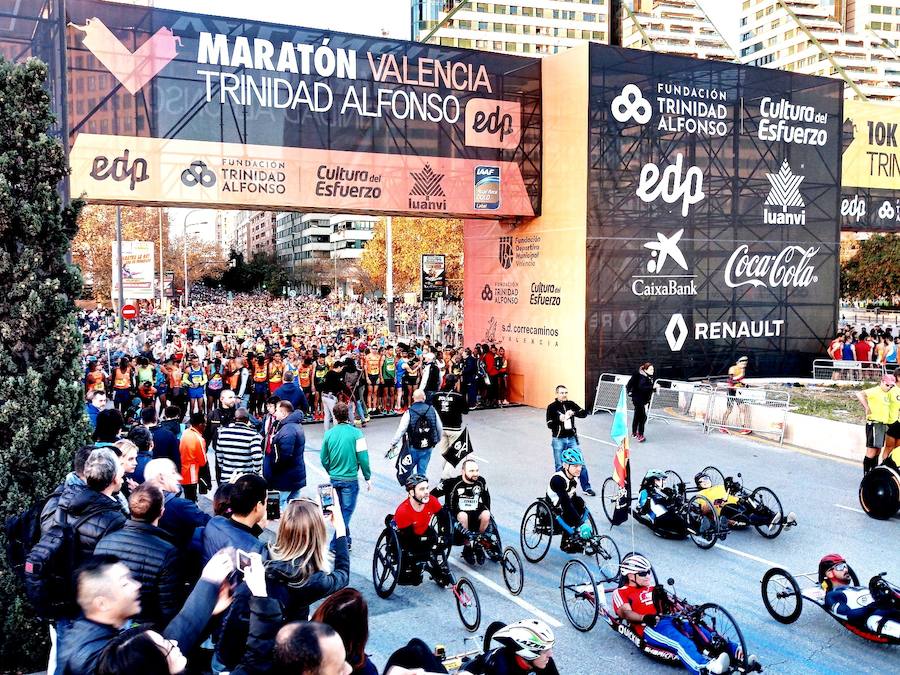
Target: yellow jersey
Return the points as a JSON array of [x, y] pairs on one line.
[[894, 404], [879, 402], [718, 496]]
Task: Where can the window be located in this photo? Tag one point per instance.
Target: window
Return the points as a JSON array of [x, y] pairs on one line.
[[528, 11], [876, 9], [510, 46], [499, 9], [513, 9], [588, 16], [571, 33], [465, 24], [464, 42], [498, 27], [598, 35], [526, 29], [511, 28], [526, 48], [92, 83], [555, 13], [482, 6], [482, 25], [539, 12], [585, 35]]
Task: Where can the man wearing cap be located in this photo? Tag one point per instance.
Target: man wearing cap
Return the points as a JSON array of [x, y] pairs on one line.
[[876, 401], [856, 604]]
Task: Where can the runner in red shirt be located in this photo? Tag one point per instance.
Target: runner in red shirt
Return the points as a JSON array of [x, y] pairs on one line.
[[413, 520]]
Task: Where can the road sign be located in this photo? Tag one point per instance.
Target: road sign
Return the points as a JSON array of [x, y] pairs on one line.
[[129, 312]]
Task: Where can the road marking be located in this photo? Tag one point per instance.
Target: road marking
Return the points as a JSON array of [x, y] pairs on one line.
[[524, 604], [750, 556], [598, 440], [850, 508]]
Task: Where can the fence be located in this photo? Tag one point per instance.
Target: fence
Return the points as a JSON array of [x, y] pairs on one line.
[[748, 410], [674, 399], [609, 387], [847, 371]]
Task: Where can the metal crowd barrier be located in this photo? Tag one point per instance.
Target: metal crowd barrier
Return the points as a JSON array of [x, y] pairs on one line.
[[674, 399], [847, 371], [748, 410], [609, 386]]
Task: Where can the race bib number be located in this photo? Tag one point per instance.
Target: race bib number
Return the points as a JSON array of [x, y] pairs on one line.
[[468, 503]]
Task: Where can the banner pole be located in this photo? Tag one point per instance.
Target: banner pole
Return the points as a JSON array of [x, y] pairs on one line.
[[389, 276], [121, 297], [162, 291]]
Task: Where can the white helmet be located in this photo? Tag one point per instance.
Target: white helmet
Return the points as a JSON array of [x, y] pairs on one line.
[[634, 563], [529, 638]]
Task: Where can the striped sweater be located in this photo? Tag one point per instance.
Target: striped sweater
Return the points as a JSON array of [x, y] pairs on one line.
[[239, 449]]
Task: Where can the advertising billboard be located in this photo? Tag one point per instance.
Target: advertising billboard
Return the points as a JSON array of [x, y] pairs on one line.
[[137, 270], [433, 277], [168, 107]]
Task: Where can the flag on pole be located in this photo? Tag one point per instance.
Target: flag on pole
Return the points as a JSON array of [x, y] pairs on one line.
[[404, 464], [621, 468], [458, 448]]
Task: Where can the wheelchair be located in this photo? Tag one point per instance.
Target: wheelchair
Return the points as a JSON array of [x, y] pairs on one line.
[[393, 566]]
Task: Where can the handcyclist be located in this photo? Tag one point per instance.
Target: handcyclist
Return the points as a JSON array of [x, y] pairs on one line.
[[874, 608], [733, 509], [570, 510], [417, 536], [655, 502], [644, 606], [527, 647], [469, 501]]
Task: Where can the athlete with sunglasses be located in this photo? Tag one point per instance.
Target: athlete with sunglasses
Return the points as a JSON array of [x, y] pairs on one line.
[[874, 608]]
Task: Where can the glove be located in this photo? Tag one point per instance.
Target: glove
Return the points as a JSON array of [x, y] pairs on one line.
[[651, 620], [585, 531]]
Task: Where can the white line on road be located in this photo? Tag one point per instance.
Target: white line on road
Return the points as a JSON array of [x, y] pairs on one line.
[[598, 440], [524, 604], [748, 555], [850, 508]]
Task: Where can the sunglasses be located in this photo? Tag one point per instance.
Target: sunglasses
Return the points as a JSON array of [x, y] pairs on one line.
[[840, 567], [643, 574]]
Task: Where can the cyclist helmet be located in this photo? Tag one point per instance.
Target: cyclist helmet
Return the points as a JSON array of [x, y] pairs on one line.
[[655, 474], [702, 476], [633, 564], [571, 456], [827, 562], [529, 638], [414, 480]]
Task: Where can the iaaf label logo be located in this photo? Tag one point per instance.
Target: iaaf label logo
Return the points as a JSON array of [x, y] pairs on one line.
[[656, 283], [677, 331], [681, 108], [670, 185], [774, 271], [487, 188], [785, 193], [132, 69], [493, 124]]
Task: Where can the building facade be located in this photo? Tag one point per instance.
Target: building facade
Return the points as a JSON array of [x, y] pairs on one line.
[[673, 26], [261, 233]]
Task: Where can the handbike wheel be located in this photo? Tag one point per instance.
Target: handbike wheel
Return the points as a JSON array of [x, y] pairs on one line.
[[781, 595], [513, 571], [536, 532], [579, 595], [495, 551], [386, 563], [609, 497], [467, 604], [608, 559], [674, 481], [702, 522], [769, 504], [715, 476], [879, 493], [724, 630]]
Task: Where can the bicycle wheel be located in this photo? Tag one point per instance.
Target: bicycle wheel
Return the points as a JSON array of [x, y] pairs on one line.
[[513, 571], [579, 595], [724, 631], [702, 523], [768, 504], [493, 549], [781, 595], [674, 481], [608, 559], [609, 497], [715, 476], [386, 563], [536, 531], [467, 604]]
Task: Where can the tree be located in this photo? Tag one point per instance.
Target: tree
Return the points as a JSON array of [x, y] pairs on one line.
[[92, 248], [42, 418], [261, 271], [204, 260], [873, 272], [412, 238]]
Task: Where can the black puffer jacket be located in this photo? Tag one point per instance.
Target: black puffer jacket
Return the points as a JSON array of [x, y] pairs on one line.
[[151, 556], [98, 516]]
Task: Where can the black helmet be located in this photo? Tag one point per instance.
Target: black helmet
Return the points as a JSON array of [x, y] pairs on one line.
[[698, 476], [414, 480]]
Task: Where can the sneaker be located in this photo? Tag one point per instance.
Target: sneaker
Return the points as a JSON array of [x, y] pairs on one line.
[[468, 555], [723, 430], [641, 438], [479, 555], [634, 435], [590, 492], [753, 663], [720, 664], [791, 519]]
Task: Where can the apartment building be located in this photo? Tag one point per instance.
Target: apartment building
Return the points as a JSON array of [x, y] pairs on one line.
[[672, 26], [847, 39], [303, 237]]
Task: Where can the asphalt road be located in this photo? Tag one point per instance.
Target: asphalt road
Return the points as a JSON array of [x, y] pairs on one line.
[[517, 462]]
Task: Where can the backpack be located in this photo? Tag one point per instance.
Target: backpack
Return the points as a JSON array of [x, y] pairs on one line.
[[420, 432], [49, 567], [23, 532]]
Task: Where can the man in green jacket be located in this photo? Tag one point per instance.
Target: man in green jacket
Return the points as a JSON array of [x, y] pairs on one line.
[[344, 454]]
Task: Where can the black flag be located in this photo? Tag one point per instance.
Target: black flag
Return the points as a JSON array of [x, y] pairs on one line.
[[458, 448], [404, 464]]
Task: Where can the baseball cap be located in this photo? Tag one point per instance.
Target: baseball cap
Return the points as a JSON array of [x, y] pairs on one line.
[[888, 379]]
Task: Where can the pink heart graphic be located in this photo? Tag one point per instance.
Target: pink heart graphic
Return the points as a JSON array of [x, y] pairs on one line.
[[133, 70]]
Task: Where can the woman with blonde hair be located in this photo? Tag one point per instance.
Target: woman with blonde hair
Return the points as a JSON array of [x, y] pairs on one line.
[[297, 573]]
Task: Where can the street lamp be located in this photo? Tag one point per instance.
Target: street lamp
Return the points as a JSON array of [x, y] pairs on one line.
[[187, 292]]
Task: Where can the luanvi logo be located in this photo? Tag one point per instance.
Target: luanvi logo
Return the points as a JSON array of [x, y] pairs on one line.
[[657, 283], [505, 252], [670, 185], [132, 69], [785, 193], [426, 190], [119, 169], [631, 105]]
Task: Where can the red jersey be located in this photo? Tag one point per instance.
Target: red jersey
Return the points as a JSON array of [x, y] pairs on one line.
[[863, 350], [406, 515], [640, 599]]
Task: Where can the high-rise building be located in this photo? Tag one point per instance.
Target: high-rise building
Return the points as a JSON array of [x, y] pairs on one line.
[[261, 233], [672, 26], [847, 39], [532, 27]]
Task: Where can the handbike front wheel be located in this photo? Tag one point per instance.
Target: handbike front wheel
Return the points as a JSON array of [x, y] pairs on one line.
[[717, 621], [608, 558], [579, 595], [513, 571], [468, 606], [702, 522], [766, 501], [536, 532], [781, 595], [716, 477], [609, 497]]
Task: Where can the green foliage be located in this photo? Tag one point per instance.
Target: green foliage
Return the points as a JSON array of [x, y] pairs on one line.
[[874, 271], [41, 393], [262, 271]]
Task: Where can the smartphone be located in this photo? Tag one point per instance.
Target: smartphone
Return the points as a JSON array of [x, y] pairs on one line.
[[241, 560], [326, 496]]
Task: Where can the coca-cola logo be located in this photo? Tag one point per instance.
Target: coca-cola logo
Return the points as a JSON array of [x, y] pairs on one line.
[[790, 268]]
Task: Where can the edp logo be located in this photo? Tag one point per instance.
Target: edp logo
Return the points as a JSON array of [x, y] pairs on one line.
[[493, 122], [119, 169], [854, 208], [670, 185]]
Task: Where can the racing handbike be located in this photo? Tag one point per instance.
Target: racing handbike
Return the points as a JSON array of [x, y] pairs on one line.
[[879, 492]]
